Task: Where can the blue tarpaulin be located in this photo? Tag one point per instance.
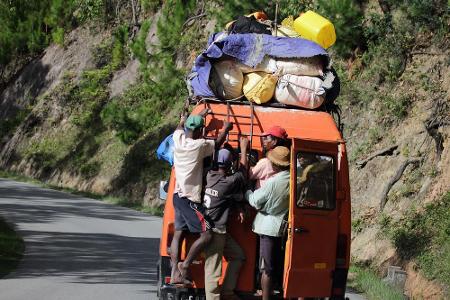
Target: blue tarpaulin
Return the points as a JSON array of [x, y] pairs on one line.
[[165, 150], [248, 49]]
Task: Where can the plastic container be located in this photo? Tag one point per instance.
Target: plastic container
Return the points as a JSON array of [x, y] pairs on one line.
[[316, 28]]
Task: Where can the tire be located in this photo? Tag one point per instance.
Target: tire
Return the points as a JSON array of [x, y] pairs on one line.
[[158, 275], [163, 270]]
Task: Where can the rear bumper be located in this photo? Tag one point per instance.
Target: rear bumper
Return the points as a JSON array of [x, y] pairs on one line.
[[173, 292]]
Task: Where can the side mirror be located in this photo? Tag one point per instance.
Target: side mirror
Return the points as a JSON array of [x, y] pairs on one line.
[[163, 184]]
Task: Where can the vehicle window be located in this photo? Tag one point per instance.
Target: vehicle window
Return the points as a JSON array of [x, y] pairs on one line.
[[315, 181]]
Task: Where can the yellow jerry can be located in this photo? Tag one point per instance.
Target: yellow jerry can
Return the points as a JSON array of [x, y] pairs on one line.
[[316, 28]]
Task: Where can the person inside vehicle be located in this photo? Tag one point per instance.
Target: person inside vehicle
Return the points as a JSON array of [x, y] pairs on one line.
[[223, 192], [314, 184], [272, 203], [189, 151], [262, 171]]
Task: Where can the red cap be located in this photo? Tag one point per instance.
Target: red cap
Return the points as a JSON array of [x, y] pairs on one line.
[[276, 131]]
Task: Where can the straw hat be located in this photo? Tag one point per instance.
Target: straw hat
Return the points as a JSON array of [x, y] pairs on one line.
[[279, 156]]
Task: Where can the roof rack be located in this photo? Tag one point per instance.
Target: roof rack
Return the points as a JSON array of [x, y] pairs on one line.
[[333, 109], [199, 99]]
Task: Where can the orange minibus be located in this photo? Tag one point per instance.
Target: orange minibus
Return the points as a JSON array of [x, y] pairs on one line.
[[317, 241]]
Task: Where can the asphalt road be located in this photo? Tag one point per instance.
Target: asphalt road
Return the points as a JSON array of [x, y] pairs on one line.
[[78, 248]]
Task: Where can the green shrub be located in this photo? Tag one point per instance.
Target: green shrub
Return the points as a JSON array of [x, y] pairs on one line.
[[116, 117], [118, 55], [58, 36], [90, 170], [394, 108], [150, 5], [145, 105], [175, 13], [358, 225], [366, 280], [91, 10], [9, 124], [102, 54], [425, 237], [390, 37], [90, 96], [410, 241], [139, 49], [347, 18], [424, 14], [48, 151], [29, 26], [386, 56], [385, 221]]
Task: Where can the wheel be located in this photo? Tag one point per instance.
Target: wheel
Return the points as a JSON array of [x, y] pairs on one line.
[[163, 270]]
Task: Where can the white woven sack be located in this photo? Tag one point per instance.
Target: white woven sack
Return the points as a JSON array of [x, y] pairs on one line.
[[231, 77], [267, 65], [302, 91], [308, 66]]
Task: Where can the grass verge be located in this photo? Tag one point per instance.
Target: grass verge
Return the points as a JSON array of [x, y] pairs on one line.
[[11, 249], [424, 237], [155, 211], [366, 281]]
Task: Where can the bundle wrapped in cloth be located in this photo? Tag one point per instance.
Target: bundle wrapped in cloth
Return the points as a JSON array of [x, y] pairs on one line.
[[303, 91], [259, 87], [261, 68]]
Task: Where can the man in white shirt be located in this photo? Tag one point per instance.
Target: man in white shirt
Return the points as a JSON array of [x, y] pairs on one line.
[[190, 149]]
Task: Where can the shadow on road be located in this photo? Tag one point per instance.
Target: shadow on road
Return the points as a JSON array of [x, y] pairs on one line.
[[51, 205], [79, 239], [90, 258]]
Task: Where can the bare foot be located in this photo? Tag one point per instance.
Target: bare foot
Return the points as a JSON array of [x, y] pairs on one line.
[[183, 272], [175, 275]]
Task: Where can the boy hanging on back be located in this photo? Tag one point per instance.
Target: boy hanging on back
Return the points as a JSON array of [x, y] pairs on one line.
[[223, 192], [189, 151]]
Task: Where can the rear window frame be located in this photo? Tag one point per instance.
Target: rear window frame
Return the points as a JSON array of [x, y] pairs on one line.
[[334, 163]]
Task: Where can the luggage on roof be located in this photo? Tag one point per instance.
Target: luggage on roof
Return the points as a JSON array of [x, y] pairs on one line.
[[240, 48], [245, 24], [259, 87], [314, 27], [226, 79], [301, 91], [285, 32], [305, 66], [249, 60]]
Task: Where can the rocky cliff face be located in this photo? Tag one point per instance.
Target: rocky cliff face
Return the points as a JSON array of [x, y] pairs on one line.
[[44, 89], [406, 169]]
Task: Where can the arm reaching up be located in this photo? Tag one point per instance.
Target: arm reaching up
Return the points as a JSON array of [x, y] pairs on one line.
[[243, 142], [222, 135], [183, 115]]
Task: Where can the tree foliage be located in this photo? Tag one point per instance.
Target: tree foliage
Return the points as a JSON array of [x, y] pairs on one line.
[[28, 26]]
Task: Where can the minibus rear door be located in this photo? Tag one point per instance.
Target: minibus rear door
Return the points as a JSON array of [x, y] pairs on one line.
[[310, 255]]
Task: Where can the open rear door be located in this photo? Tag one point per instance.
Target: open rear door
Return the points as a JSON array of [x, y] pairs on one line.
[[313, 220]]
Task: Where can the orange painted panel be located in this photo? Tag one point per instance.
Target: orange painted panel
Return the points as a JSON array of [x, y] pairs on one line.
[[308, 267]]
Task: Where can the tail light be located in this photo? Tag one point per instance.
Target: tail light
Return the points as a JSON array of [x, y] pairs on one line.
[[341, 251], [340, 273], [339, 283]]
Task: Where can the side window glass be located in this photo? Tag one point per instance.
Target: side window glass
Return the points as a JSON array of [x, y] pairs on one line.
[[315, 181]]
